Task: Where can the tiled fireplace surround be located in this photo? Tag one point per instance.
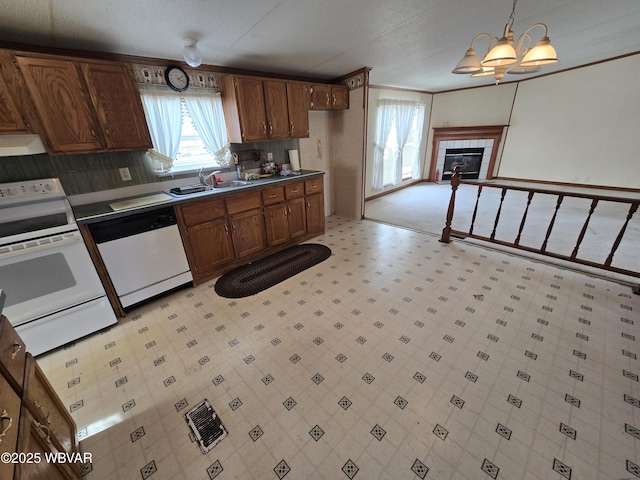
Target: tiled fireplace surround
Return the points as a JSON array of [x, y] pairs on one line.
[[465, 137], [444, 145]]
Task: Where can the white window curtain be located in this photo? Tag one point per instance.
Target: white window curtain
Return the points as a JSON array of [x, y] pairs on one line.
[[165, 125], [207, 116], [383, 129], [405, 112], [408, 112], [417, 164]]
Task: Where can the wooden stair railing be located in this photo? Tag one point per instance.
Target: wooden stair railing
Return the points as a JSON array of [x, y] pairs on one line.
[[606, 264]]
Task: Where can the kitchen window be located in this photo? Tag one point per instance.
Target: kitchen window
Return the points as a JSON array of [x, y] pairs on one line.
[[187, 130]]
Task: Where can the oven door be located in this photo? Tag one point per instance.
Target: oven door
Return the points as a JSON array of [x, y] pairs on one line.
[[47, 275]]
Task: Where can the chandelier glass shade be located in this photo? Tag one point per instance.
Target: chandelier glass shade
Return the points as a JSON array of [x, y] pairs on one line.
[[507, 56]]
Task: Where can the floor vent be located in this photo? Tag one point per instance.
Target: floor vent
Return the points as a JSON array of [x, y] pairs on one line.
[[206, 425]]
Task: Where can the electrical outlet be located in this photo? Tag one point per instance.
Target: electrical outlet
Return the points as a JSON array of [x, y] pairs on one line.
[[125, 175], [269, 156]]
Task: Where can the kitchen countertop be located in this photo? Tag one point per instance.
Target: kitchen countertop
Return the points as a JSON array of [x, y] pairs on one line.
[[100, 211]]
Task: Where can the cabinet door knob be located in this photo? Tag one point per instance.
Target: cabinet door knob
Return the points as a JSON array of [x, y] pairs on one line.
[[3, 417], [37, 424], [15, 352], [46, 412], [264, 127]]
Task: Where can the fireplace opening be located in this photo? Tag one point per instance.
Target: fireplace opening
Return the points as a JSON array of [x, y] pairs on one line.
[[468, 159]]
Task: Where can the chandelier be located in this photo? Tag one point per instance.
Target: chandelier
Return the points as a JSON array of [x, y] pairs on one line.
[[506, 57]]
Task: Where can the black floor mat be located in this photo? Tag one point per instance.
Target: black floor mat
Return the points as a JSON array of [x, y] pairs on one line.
[[258, 276]]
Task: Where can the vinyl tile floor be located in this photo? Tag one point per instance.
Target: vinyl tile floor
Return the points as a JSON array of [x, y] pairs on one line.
[[397, 358]]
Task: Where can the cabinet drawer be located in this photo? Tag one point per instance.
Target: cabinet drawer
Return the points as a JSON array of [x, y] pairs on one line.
[[12, 355], [10, 412], [35, 438], [294, 190], [200, 212], [43, 403], [313, 186], [243, 202], [273, 195]]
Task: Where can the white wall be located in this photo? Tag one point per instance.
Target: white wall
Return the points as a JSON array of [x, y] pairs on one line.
[[347, 157], [482, 106], [374, 95], [315, 152], [581, 126]]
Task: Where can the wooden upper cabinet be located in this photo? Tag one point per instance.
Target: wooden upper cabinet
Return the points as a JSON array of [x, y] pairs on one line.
[[85, 106], [244, 109], [339, 97], [298, 106], [263, 109], [320, 97], [118, 105], [329, 97], [275, 100], [64, 105], [10, 118]]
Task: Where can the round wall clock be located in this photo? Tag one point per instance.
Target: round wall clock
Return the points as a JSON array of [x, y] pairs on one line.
[[176, 78]]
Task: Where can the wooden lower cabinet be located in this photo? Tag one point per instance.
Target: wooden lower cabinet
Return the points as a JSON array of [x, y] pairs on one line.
[[210, 244], [35, 440], [35, 425], [13, 356], [285, 221], [42, 402], [247, 232], [314, 198], [315, 213], [9, 419], [228, 231]]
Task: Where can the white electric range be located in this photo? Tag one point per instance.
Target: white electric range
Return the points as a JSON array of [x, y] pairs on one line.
[[53, 293]]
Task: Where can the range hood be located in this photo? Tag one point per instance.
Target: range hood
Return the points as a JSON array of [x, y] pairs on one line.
[[14, 145]]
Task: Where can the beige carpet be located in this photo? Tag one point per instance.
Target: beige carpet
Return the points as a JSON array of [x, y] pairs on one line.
[[423, 207]]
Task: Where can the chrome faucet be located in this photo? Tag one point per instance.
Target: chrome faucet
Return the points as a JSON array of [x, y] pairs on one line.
[[205, 179]]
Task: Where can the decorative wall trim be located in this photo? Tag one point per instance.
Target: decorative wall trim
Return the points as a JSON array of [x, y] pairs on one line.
[[357, 79], [154, 75]]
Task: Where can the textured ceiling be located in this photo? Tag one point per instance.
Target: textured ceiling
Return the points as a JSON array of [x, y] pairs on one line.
[[408, 43]]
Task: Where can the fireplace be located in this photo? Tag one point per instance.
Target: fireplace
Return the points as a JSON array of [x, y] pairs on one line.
[[483, 142], [468, 159]]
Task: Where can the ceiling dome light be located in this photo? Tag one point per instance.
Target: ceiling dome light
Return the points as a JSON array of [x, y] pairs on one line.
[[191, 54]]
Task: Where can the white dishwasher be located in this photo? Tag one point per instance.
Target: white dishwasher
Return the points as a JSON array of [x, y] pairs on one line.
[[143, 254]]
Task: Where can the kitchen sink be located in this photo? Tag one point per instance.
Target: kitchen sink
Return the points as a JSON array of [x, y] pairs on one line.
[[199, 189], [232, 183]]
